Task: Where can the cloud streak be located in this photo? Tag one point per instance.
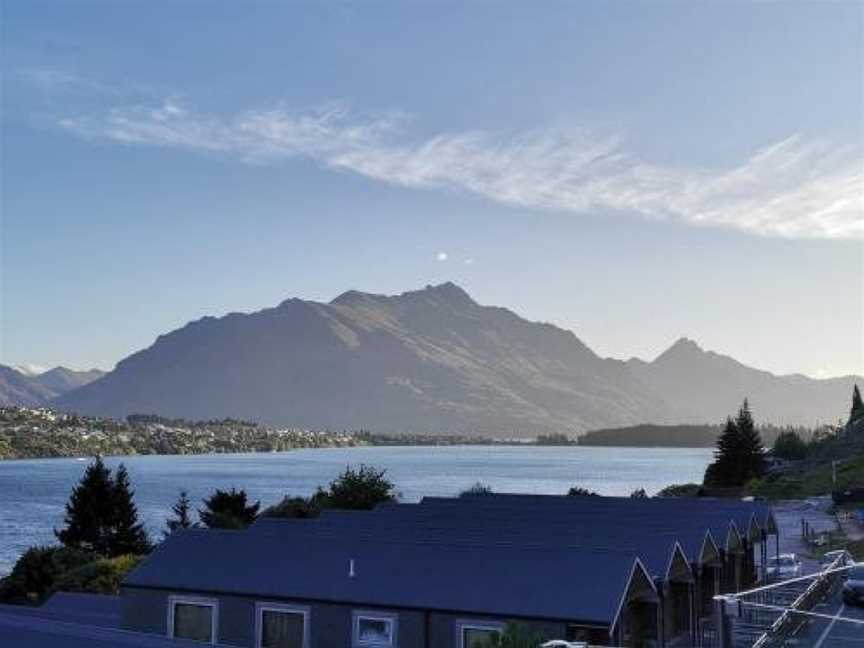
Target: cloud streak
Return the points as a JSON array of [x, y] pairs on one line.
[[795, 188]]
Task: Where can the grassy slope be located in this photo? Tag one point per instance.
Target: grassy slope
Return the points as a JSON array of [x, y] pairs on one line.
[[810, 479]]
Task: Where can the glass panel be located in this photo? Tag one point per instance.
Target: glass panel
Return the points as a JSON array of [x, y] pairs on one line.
[[281, 629], [379, 630], [477, 638], [192, 621]]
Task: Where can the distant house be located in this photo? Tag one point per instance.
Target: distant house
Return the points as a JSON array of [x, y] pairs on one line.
[[449, 573]]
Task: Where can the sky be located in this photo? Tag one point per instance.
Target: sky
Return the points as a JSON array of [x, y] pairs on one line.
[[634, 172]]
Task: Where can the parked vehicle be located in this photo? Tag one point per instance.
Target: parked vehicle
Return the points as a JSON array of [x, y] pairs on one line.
[[784, 566], [853, 588]]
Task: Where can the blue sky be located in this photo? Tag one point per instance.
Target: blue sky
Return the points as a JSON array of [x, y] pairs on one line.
[[632, 171]]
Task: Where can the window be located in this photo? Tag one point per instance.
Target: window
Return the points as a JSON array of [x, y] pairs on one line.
[[281, 626], [477, 634], [192, 618], [374, 629]]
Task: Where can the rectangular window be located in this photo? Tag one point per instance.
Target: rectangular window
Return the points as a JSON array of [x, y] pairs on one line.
[[282, 626], [192, 618], [478, 634], [374, 629]]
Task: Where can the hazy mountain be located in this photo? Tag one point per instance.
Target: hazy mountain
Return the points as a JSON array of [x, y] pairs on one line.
[[17, 388], [431, 360], [704, 386], [31, 389], [61, 380]]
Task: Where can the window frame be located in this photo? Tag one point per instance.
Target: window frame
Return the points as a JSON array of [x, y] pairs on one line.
[[286, 608], [476, 624], [201, 601], [390, 617]]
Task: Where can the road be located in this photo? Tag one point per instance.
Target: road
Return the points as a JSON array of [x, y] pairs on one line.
[[840, 631]]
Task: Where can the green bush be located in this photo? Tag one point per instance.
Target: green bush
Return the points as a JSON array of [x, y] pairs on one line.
[[102, 576], [681, 490], [35, 575], [516, 635]]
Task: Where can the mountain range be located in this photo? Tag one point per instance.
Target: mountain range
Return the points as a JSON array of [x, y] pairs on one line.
[[433, 360], [24, 387]]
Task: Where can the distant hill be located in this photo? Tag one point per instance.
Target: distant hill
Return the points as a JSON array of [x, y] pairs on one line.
[[432, 360], [677, 436], [649, 436], [29, 389], [705, 387], [17, 388], [61, 380]]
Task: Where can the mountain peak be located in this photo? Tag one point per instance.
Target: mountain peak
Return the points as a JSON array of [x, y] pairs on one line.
[[446, 293], [683, 347]]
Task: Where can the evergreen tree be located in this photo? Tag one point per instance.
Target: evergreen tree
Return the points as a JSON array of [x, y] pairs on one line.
[[857, 411], [228, 510], [182, 516], [752, 452], [129, 536], [724, 471], [740, 455], [89, 516], [789, 446]]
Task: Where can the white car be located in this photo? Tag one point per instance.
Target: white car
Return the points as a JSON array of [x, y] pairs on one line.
[[784, 566]]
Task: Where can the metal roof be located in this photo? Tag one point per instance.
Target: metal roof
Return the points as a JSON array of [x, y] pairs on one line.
[[517, 581]]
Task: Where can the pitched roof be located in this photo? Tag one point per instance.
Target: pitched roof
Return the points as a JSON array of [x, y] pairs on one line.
[[519, 581]]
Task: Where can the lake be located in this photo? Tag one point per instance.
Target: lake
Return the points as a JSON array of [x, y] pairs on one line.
[[33, 492]]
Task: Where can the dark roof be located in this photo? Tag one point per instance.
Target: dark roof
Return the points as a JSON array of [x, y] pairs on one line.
[[18, 629], [655, 551], [89, 609], [536, 582]]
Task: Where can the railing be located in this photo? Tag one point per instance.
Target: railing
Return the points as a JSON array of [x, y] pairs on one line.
[[768, 616]]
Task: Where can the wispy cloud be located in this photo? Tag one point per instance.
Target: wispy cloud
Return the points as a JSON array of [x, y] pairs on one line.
[[793, 188]]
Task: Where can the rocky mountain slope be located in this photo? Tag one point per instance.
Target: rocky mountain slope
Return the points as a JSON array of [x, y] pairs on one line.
[[431, 360]]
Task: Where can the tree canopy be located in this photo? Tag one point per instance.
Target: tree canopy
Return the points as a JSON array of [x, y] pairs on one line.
[[228, 510], [740, 455], [857, 411], [101, 515], [182, 516], [789, 446]]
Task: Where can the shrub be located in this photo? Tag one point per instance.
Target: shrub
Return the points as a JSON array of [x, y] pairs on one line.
[[578, 491], [293, 507], [228, 510], [681, 490], [359, 490], [516, 635], [102, 576], [37, 571], [479, 488]]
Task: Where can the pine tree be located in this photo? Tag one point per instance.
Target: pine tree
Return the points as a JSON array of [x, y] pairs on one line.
[[228, 510], [129, 536], [725, 471], [89, 511], [857, 411], [752, 452], [183, 518]]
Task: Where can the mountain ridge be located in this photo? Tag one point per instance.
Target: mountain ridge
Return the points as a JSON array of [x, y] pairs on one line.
[[431, 360], [32, 389]]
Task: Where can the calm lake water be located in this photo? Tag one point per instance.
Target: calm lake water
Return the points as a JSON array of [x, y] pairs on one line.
[[33, 492]]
